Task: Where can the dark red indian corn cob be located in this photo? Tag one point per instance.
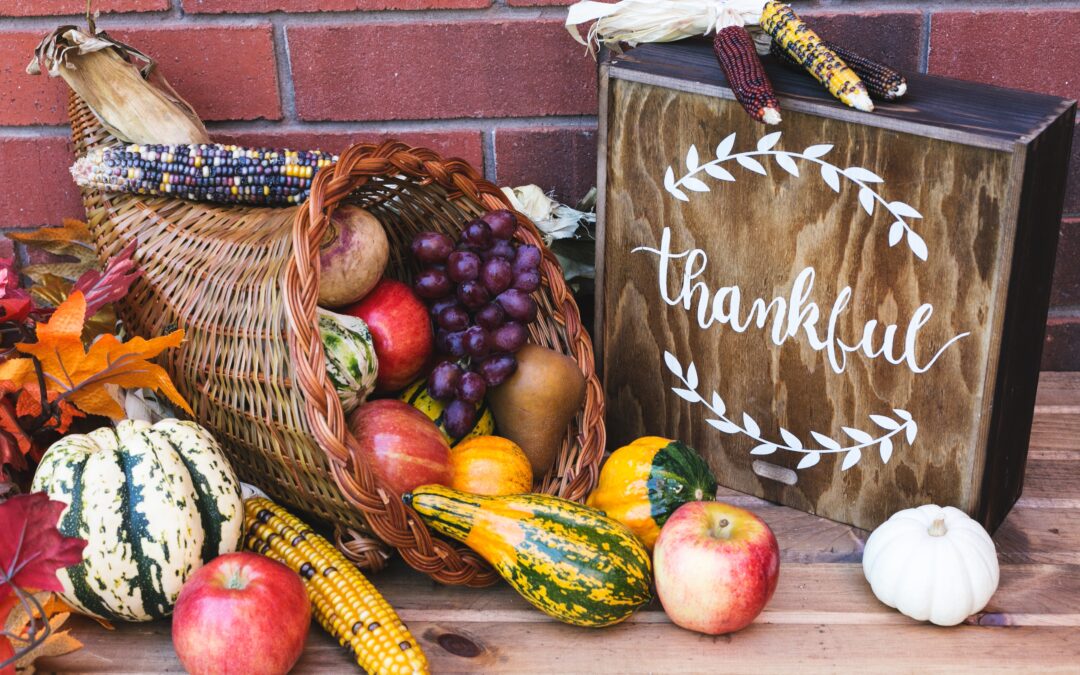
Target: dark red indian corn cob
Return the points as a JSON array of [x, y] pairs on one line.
[[735, 51], [881, 81]]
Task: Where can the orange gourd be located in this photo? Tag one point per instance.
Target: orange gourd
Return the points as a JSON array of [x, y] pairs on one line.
[[490, 465]]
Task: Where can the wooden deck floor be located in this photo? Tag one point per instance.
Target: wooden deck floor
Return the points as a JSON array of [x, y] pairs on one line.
[[822, 618]]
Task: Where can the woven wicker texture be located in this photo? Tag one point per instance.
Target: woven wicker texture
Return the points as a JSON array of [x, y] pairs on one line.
[[243, 283]]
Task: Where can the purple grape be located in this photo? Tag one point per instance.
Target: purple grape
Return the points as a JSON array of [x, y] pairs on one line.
[[439, 305], [519, 306], [473, 295], [471, 388], [477, 234], [503, 224], [453, 318], [459, 418], [497, 274], [476, 342], [490, 316], [431, 247], [527, 258], [527, 281], [496, 369], [463, 266], [500, 249], [432, 284], [444, 379], [455, 344], [509, 337]]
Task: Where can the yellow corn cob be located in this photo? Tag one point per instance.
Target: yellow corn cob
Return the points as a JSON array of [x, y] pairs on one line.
[[803, 44], [343, 601]]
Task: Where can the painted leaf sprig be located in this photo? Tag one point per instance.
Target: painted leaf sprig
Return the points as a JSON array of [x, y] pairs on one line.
[[34, 628], [826, 445], [71, 240], [79, 375], [767, 146]]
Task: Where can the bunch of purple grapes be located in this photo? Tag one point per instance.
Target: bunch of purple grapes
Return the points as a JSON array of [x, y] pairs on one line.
[[479, 295]]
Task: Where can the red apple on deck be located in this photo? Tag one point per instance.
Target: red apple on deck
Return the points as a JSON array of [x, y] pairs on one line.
[[401, 330], [241, 613], [401, 443], [716, 567]]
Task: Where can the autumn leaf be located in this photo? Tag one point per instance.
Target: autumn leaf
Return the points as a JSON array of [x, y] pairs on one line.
[[32, 549], [29, 405], [72, 239], [10, 424], [79, 375], [28, 631]]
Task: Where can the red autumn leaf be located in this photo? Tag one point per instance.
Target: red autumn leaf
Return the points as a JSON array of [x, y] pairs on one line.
[[32, 549]]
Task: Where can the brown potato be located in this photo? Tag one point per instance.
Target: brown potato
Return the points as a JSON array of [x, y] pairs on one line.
[[534, 407], [352, 256]]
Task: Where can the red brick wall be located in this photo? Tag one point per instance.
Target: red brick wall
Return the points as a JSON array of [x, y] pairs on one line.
[[497, 82]]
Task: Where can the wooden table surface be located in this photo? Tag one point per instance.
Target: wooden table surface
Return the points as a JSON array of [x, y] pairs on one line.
[[822, 618]]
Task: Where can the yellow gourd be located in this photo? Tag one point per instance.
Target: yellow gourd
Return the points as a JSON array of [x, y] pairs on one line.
[[490, 465]]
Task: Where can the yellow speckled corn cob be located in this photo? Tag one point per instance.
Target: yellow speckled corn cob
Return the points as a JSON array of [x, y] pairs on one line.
[[803, 45], [343, 601]]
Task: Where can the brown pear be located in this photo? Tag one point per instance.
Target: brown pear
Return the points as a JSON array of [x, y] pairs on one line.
[[534, 407]]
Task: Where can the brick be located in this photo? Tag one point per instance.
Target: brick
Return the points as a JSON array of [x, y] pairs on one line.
[[1062, 348], [863, 33], [38, 189], [540, 3], [451, 143], [556, 159], [27, 99], [1032, 50], [440, 70], [7, 247], [1066, 288], [264, 6], [224, 72], [77, 7]]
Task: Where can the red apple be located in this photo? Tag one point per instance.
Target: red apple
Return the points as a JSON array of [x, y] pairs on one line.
[[401, 329], [241, 613], [716, 567], [403, 446]]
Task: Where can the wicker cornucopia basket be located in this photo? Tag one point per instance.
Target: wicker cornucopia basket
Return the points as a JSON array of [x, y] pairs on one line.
[[243, 283]]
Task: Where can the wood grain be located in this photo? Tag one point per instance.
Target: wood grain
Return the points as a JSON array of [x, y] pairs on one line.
[[984, 278]]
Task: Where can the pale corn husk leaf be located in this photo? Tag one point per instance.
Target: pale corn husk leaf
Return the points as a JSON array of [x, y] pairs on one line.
[[642, 21], [554, 220], [135, 105], [144, 404], [64, 270], [72, 238]]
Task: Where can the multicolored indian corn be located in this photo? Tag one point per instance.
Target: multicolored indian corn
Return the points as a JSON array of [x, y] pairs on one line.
[[344, 602], [881, 81], [735, 51], [204, 172], [806, 48]]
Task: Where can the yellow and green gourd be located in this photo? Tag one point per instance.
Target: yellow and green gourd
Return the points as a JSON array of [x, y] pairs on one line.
[[418, 397], [571, 562], [641, 484]]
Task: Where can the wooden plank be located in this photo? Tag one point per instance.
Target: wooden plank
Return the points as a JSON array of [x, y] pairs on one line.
[[1056, 430], [543, 647], [1058, 393]]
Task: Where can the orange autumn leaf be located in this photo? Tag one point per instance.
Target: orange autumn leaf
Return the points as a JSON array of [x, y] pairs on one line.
[[78, 375], [29, 405]]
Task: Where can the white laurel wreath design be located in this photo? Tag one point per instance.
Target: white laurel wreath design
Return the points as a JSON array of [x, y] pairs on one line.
[[791, 442], [831, 174]]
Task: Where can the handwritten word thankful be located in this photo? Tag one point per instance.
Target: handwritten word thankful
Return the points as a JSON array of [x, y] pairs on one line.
[[789, 315]]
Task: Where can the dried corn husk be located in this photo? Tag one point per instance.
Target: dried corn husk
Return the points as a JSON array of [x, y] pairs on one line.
[[641, 21], [135, 104]]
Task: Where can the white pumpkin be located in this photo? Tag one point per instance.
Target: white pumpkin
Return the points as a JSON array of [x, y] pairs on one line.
[[932, 564]]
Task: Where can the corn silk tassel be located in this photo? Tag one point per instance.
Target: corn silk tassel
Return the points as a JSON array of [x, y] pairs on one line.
[[881, 81], [807, 49], [640, 21], [739, 60]]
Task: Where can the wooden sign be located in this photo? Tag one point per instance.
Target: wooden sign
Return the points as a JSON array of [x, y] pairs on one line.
[[843, 313]]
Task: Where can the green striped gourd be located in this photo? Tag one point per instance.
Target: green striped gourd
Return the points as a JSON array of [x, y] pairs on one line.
[[418, 397], [155, 502], [351, 363], [571, 562]]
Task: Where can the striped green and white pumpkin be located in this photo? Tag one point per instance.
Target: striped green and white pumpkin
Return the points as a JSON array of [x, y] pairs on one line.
[[351, 363], [155, 502]]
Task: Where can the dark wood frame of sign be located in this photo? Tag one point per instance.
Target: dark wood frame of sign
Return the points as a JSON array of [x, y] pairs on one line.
[[843, 313]]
